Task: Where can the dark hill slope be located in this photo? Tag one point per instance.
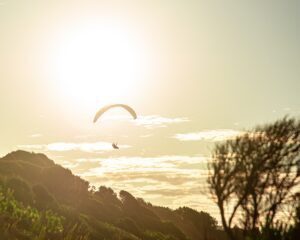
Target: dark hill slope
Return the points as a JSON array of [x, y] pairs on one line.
[[40, 183]]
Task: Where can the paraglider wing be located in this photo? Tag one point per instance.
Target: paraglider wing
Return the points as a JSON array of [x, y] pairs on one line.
[[106, 108]]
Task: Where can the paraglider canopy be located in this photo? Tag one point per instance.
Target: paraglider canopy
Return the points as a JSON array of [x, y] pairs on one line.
[[107, 107]]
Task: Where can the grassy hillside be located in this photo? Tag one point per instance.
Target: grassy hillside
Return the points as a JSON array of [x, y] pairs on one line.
[[43, 200]]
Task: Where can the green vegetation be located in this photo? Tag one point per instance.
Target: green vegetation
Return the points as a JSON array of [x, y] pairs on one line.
[[25, 222], [42, 200]]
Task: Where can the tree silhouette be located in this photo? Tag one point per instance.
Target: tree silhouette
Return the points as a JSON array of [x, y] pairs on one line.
[[254, 179]]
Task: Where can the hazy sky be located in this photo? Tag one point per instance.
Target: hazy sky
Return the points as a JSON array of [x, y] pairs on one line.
[[196, 72]]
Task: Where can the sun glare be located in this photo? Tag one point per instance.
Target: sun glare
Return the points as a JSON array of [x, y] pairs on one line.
[[99, 63]]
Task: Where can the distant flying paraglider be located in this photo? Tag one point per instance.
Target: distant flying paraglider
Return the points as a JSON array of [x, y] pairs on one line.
[[115, 146], [107, 107]]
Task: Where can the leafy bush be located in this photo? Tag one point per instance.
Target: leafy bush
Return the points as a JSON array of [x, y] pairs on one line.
[[26, 221]]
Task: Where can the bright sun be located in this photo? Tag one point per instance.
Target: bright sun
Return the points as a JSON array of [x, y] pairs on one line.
[[98, 63]]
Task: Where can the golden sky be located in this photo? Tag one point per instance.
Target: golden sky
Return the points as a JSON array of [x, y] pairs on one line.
[[196, 72]]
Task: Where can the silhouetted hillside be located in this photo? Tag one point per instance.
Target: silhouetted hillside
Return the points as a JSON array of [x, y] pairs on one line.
[[65, 208]]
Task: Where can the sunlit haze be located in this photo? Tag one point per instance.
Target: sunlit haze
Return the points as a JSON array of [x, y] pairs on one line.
[[98, 62], [196, 72]]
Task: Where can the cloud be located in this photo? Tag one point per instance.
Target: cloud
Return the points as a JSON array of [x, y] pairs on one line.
[[35, 135], [173, 191], [67, 146], [157, 163], [215, 135], [148, 121], [153, 121], [171, 169], [69, 164], [146, 135], [156, 178]]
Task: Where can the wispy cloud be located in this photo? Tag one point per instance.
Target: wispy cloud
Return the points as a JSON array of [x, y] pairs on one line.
[[146, 136], [215, 135], [35, 135], [148, 121], [68, 164], [172, 169], [153, 121], [67, 146], [287, 111]]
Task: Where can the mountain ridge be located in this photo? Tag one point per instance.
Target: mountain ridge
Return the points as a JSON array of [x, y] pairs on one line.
[[39, 182]]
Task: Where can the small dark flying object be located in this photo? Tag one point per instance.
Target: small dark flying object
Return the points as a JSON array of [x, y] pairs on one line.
[[115, 145]]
